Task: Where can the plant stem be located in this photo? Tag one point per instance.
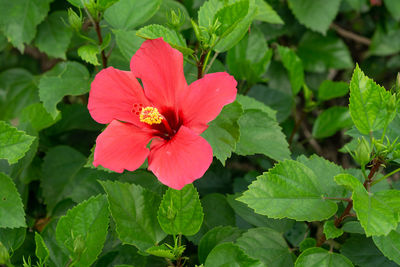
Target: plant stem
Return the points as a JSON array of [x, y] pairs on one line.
[[103, 55], [346, 213], [338, 198], [351, 35], [386, 176], [211, 62], [200, 64]]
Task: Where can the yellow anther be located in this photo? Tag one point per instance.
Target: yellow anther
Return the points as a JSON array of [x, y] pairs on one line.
[[150, 116]]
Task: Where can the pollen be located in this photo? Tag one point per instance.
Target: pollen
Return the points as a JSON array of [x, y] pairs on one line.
[[150, 116]]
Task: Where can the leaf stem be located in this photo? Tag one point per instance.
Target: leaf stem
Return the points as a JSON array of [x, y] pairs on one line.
[[386, 176], [211, 62], [200, 64], [338, 198], [103, 55]]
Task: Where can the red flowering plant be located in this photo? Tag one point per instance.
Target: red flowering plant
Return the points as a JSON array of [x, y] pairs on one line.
[[166, 112]]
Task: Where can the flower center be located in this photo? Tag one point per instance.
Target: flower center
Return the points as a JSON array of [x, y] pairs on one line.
[[150, 116]]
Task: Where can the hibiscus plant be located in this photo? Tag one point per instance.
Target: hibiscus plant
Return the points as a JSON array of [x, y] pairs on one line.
[[199, 133]]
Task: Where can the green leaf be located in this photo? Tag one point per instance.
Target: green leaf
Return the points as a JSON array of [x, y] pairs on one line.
[[331, 231], [172, 37], [54, 35], [134, 210], [377, 212], [255, 219], [66, 78], [223, 133], [230, 15], [259, 133], [41, 252], [128, 14], [393, 7], [325, 171], [251, 103], [248, 59], [321, 258], [90, 159], [266, 13], [89, 54], [330, 121], [19, 19], [389, 245], [353, 227], [13, 143], [37, 115], [230, 40], [128, 42], [216, 236], [83, 230], [320, 53], [12, 213], [266, 245], [291, 190], [161, 251], [315, 14], [163, 15], [386, 41], [216, 212], [228, 254], [307, 243], [330, 89], [207, 12], [60, 167], [363, 252], [18, 89], [294, 66], [13, 238], [368, 103], [180, 211]]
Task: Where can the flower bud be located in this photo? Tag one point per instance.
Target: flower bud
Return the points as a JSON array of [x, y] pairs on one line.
[[4, 256], [79, 245], [74, 20], [362, 154], [176, 20], [392, 103]]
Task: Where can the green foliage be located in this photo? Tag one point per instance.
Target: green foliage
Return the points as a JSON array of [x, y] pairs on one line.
[[132, 208], [41, 252], [330, 89], [389, 245], [89, 54], [12, 213], [180, 211], [331, 231], [330, 121], [290, 190], [368, 103], [71, 78], [316, 15], [294, 66], [229, 254], [83, 230], [223, 133], [322, 257]]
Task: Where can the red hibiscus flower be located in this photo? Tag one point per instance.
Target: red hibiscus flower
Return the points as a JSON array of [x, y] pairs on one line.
[[166, 111]]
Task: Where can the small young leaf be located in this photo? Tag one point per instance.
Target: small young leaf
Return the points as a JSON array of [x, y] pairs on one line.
[[315, 14], [69, 78], [161, 251], [216, 236], [128, 14], [134, 210], [41, 252], [389, 245], [89, 54], [13, 143], [223, 133], [330, 121], [12, 213], [368, 103], [83, 230], [172, 37], [230, 15], [228, 254], [331, 231], [291, 190], [294, 66], [266, 13], [321, 258], [180, 211], [266, 245]]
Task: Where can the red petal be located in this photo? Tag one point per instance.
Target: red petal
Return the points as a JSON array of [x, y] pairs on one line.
[[160, 67], [181, 160], [204, 99], [121, 146], [113, 94]]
